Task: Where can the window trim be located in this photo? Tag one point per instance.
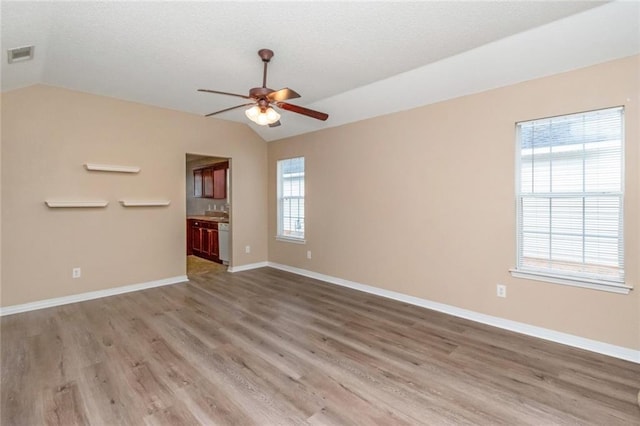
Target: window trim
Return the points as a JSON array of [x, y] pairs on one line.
[[613, 286], [608, 286], [290, 239], [279, 222]]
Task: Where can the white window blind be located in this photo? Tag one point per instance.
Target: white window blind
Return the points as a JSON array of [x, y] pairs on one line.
[[570, 196], [291, 198]]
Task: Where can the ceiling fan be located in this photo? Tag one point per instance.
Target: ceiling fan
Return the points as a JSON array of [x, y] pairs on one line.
[[262, 99]]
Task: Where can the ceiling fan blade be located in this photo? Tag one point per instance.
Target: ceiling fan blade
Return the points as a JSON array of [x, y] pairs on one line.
[[282, 95], [224, 93], [276, 124], [228, 109], [304, 111]]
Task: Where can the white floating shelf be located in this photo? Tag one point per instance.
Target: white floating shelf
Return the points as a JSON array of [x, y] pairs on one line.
[[111, 168], [140, 203], [76, 204]]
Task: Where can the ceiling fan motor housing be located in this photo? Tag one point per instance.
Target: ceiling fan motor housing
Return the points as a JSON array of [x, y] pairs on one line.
[[263, 104], [259, 92]]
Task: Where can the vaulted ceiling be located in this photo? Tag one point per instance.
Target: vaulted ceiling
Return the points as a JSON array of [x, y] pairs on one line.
[[353, 60]]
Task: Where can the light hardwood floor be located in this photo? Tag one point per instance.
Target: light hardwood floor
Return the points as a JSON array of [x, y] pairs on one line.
[[268, 347]]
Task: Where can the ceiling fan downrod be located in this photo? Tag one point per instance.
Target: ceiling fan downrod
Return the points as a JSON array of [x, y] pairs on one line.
[[265, 55]]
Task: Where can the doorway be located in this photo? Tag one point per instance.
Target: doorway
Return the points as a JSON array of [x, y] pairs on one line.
[[208, 214]]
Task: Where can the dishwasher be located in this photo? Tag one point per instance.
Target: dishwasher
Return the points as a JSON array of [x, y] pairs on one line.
[[223, 242]]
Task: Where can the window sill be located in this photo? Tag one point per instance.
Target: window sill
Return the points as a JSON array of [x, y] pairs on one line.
[[291, 240], [583, 283]]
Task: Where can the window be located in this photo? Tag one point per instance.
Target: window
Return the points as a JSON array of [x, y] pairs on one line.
[[291, 199], [570, 199]]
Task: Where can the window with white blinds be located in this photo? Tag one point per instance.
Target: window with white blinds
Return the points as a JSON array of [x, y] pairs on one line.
[[291, 199], [570, 188]]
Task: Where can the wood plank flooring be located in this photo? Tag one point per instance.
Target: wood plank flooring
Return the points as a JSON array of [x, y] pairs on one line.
[[268, 347]]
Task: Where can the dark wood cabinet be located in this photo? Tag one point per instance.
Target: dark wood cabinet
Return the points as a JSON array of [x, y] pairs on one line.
[[207, 183], [197, 242], [220, 183], [213, 251], [202, 239], [189, 237], [211, 181]]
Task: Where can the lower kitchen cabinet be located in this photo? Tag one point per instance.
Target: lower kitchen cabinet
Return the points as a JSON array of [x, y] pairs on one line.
[[203, 238], [189, 238], [214, 252]]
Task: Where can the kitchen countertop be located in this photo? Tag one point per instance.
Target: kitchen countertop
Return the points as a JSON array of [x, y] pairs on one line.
[[209, 218]]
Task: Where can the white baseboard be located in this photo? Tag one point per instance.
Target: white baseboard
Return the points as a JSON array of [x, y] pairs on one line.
[[48, 303], [247, 267], [518, 327]]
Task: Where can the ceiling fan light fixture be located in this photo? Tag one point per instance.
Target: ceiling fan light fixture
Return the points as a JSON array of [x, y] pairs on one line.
[[272, 115], [252, 113], [260, 117]]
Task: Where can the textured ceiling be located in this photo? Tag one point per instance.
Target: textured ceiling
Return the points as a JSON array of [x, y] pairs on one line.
[[352, 60]]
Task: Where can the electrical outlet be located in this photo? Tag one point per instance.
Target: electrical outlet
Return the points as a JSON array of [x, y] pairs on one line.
[[501, 290], [308, 254], [76, 272], [247, 249]]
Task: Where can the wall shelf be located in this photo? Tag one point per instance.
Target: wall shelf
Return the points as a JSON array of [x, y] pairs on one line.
[[143, 203], [111, 168], [76, 204]]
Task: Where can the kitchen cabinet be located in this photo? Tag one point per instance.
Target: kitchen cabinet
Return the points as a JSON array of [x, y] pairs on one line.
[[197, 237], [213, 248], [220, 182], [211, 181], [189, 239], [207, 183], [203, 239]]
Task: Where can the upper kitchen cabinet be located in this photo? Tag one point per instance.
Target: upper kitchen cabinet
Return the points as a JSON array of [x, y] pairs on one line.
[[220, 182], [211, 181], [207, 183]]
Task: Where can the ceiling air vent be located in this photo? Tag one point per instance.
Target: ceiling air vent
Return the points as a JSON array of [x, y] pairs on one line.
[[19, 54]]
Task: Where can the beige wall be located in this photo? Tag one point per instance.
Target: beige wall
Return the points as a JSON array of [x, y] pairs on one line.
[[49, 133], [0, 201], [422, 202]]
